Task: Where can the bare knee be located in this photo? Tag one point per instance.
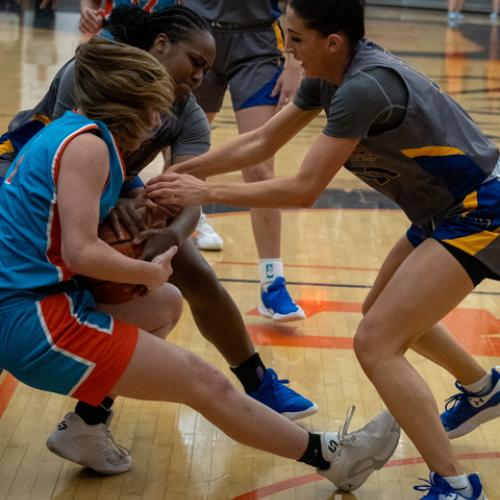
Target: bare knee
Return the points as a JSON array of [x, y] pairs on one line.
[[209, 386], [368, 346], [168, 310], [262, 172], [377, 341]]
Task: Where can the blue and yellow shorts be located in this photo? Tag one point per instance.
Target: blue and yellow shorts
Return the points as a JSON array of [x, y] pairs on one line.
[[472, 234], [249, 62]]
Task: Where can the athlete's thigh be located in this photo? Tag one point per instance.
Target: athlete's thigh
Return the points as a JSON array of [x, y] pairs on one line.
[[210, 93], [160, 370], [394, 259], [425, 287], [251, 118], [149, 312]]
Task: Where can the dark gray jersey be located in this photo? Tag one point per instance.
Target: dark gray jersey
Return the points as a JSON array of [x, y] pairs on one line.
[[235, 11], [431, 160], [185, 129]]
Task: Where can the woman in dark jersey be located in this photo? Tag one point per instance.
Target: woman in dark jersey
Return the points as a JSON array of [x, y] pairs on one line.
[[397, 131]]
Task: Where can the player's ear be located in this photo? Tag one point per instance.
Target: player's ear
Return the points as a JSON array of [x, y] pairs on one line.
[[161, 45]]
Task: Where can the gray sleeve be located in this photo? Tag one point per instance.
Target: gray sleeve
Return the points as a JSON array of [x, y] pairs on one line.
[[308, 96], [371, 102], [65, 98], [193, 138]]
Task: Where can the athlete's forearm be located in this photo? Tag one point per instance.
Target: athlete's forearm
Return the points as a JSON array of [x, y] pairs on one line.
[[185, 223], [237, 153], [286, 192], [98, 260]]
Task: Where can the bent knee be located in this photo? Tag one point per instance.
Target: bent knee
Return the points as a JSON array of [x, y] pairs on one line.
[[262, 172], [368, 344], [209, 385], [167, 309]]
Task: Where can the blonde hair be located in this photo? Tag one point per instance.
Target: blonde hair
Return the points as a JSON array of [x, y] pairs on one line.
[[121, 85]]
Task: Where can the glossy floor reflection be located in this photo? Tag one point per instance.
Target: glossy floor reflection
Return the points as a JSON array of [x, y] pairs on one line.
[[331, 254]]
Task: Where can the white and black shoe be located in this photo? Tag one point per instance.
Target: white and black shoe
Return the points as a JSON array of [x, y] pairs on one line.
[[92, 446], [355, 455]]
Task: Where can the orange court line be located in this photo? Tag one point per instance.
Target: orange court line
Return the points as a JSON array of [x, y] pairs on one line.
[[295, 482], [7, 388]]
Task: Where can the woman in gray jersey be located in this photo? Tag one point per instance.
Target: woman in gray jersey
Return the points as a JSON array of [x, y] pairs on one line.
[[250, 64], [182, 42], [396, 130]]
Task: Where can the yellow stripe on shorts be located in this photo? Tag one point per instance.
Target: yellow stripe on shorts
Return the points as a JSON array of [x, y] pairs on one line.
[[6, 147], [431, 151], [474, 243], [280, 43], [469, 203]]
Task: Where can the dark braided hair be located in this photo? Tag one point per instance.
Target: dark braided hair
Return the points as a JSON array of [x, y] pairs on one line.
[[134, 26], [332, 16]]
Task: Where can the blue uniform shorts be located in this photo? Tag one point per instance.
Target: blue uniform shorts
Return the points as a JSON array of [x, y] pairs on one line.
[[471, 234], [60, 343]]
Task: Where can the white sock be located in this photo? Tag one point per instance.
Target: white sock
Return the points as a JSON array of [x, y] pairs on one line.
[[484, 384], [270, 269], [461, 484]]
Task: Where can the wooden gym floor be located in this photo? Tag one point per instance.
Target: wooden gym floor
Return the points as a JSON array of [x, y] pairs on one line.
[[331, 253]]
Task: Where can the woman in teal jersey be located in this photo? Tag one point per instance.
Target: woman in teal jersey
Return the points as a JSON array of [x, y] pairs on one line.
[[52, 335], [181, 41], [385, 124]]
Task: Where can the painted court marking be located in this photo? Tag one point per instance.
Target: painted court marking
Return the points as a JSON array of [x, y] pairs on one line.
[[476, 329], [296, 482]]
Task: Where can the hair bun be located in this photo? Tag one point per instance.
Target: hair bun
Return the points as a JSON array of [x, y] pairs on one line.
[[129, 15], [127, 24]]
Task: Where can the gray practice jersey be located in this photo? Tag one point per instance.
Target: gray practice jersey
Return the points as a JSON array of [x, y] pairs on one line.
[[185, 129], [236, 11], [426, 159]]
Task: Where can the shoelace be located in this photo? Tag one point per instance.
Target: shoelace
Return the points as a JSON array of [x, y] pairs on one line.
[[431, 487], [280, 291], [456, 399], [274, 383], [124, 451], [344, 436]]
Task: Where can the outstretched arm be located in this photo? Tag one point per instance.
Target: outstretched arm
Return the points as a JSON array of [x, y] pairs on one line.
[[248, 149], [320, 165]]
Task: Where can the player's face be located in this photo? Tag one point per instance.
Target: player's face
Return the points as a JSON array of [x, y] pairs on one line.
[[154, 122], [308, 46], [188, 61]]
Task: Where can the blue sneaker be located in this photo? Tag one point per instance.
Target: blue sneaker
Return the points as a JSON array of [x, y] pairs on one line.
[[467, 410], [277, 304], [437, 488], [275, 394]]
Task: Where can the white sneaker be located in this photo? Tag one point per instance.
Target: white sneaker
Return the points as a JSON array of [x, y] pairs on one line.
[[356, 455], [205, 236], [89, 445]]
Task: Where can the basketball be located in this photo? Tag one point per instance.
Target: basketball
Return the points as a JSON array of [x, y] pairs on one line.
[[108, 292]]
